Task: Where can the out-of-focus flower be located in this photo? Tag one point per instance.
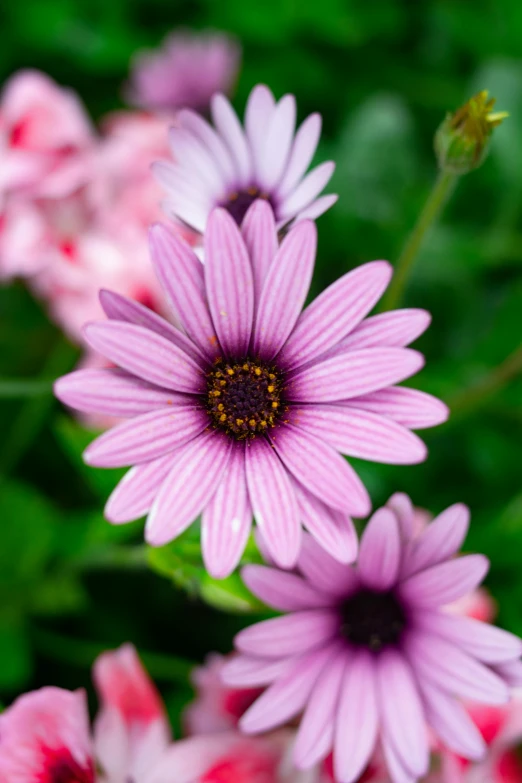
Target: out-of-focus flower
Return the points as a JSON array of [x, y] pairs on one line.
[[462, 141], [231, 167], [370, 653], [216, 707], [45, 738], [45, 137], [245, 412], [185, 72]]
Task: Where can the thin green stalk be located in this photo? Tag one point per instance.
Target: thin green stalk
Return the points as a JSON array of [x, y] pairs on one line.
[[442, 189], [82, 654], [125, 557], [472, 398], [35, 409], [18, 388]]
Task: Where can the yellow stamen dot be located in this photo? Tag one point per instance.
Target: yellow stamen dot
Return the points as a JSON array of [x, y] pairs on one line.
[[223, 417], [230, 371], [246, 367], [216, 393], [222, 383], [252, 422], [275, 405], [270, 388], [221, 407], [257, 371], [263, 423], [272, 376], [239, 422]]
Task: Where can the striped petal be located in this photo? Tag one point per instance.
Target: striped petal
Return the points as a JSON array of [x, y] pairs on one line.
[[446, 582], [146, 437], [226, 121], [245, 671], [336, 312], [411, 408], [452, 723], [306, 191], [324, 572], [134, 494], [229, 283], [292, 634], [303, 150], [283, 590], [260, 237], [442, 538], [145, 354], [380, 551], [277, 143]]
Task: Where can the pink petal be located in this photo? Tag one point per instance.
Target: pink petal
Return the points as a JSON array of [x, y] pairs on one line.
[[273, 502], [511, 673], [119, 308], [146, 437], [361, 434], [113, 392], [185, 200], [441, 540], [357, 718], [188, 488], [229, 283], [445, 666], [306, 191], [336, 312], [201, 129], [316, 731], [380, 551], [277, 143], [303, 150], [258, 113], [182, 278], [387, 330], [452, 723], [481, 640], [229, 127], [292, 634], [285, 291], [411, 408], [193, 155], [260, 237], [322, 471], [135, 493], [402, 507], [445, 582], [227, 520], [316, 208], [145, 354], [398, 773], [244, 671], [354, 374], [286, 697], [283, 590], [333, 530], [401, 712], [323, 572]]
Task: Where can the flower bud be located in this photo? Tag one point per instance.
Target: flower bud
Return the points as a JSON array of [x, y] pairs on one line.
[[462, 140]]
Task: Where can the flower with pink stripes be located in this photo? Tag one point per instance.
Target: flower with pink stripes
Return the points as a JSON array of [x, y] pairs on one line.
[[370, 654], [245, 411], [231, 166]]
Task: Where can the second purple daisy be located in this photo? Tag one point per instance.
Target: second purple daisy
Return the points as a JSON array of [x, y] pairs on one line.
[[247, 410]]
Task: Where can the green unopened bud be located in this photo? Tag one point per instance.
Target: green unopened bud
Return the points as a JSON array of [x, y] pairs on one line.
[[462, 140]]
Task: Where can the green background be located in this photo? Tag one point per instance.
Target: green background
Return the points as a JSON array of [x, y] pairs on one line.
[[383, 74]]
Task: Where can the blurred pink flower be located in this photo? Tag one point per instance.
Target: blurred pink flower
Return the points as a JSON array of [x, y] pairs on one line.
[[45, 137], [185, 72], [45, 738]]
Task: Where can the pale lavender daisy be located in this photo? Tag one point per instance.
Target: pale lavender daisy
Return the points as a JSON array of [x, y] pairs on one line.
[[231, 166], [372, 655], [245, 411]]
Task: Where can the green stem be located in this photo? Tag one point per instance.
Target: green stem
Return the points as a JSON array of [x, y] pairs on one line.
[[125, 557], [83, 654], [34, 411], [470, 399], [442, 189], [16, 388]]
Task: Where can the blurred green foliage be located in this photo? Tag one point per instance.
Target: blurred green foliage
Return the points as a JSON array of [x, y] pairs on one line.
[[383, 74]]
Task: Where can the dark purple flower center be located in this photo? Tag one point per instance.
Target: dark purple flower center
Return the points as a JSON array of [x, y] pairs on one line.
[[238, 202], [372, 619], [244, 399], [66, 770]]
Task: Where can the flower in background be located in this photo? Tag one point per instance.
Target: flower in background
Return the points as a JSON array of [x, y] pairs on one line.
[[45, 738], [185, 72], [375, 640], [231, 167], [216, 707], [244, 413]]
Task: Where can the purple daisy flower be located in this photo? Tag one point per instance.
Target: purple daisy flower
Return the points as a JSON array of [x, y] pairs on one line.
[[372, 653], [245, 411], [231, 167]]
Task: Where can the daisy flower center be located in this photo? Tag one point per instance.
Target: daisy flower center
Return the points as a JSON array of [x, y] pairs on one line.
[[244, 399], [238, 202], [372, 619]]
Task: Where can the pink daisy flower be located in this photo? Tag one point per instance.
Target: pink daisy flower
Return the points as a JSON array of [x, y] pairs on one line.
[[244, 412], [369, 652], [231, 166], [185, 72]]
